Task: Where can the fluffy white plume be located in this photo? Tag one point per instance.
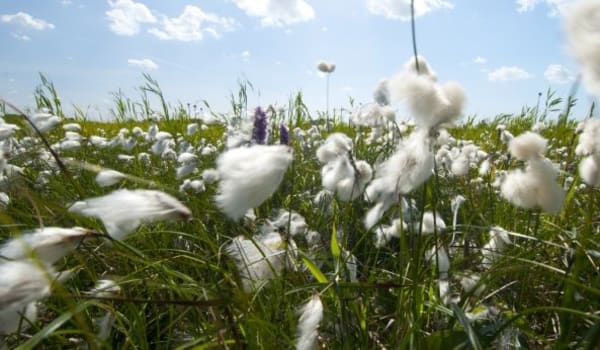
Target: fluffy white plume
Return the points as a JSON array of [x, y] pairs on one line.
[[589, 140], [385, 233], [250, 175], [534, 187], [122, 211], [105, 288], [381, 95], [429, 225], [582, 24], [527, 146], [258, 259], [405, 170], [499, 241], [47, 244], [326, 67], [311, 315], [431, 103], [589, 170], [336, 145], [109, 177], [21, 285], [296, 222]]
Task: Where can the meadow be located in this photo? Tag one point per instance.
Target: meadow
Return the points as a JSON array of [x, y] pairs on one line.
[[449, 264]]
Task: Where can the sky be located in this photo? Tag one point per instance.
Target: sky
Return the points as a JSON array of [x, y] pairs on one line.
[[503, 52]]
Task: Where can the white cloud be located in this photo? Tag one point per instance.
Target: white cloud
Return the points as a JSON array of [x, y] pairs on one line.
[[245, 56], [508, 73], [400, 9], [558, 74], [20, 36], [277, 12], [479, 60], [126, 16], [144, 63], [27, 21], [556, 7], [192, 24]]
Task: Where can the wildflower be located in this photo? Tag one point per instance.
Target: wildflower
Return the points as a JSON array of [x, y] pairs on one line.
[[249, 176], [259, 132], [284, 135], [122, 211], [311, 315], [583, 35], [47, 244]]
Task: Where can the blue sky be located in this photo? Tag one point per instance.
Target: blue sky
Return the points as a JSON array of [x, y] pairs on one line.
[[503, 52]]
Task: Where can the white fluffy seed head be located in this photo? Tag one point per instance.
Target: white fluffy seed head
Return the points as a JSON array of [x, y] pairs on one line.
[[311, 315], [326, 67], [47, 244], [122, 211], [527, 146], [589, 170], [336, 145], [250, 175], [108, 177], [582, 26], [258, 259]]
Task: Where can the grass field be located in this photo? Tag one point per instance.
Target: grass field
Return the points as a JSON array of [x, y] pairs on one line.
[[480, 274]]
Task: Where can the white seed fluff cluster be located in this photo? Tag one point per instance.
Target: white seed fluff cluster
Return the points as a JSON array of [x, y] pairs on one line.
[[536, 185], [341, 174], [582, 26], [589, 147], [430, 103], [405, 170], [250, 175]]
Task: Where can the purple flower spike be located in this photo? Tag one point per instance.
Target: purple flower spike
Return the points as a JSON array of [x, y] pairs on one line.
[[259, 132], [284, 135]]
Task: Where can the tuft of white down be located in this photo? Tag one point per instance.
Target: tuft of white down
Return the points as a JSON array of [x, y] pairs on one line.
[[47, 244], [311, 315], [527, 146], [122, 211], [582, 26], [250, 175], [258, 259]]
